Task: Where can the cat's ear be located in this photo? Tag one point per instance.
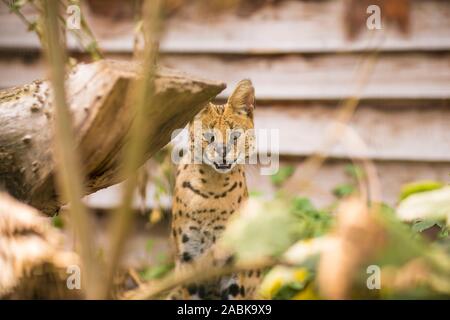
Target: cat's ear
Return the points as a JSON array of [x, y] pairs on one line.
[[242, 100]]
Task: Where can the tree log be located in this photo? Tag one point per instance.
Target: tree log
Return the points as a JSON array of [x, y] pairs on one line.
[[97, 98]]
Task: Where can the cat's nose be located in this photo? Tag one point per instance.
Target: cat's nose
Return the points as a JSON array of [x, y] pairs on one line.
[[222, 151]]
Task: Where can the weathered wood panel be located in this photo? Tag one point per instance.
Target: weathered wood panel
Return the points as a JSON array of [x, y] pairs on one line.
[[16, 69], [329, 77], [289, 27], [388, 133], [297, 77], [392, 131]]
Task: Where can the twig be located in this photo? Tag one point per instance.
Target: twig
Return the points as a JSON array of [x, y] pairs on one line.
[[144, 92], [68, 165], [30, 25], [196, 273]]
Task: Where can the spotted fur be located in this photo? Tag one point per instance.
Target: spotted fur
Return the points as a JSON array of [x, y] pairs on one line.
[[207, 194]]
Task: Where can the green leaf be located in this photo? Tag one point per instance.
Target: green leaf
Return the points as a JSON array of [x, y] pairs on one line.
[[313, 222], [303, 204], [155, 272], [289, 290], [263, 229], [354, 171], [343, 190], [255, 193], [426, 205], [443, 234], [417, 187], [422, 225], [282, 175], [57, 222]]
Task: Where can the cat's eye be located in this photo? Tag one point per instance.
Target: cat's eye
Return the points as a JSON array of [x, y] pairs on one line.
[[234, 136], [209, 136]]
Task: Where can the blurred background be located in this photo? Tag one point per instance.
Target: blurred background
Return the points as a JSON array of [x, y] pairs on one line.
[[303, 61], [302, 64]]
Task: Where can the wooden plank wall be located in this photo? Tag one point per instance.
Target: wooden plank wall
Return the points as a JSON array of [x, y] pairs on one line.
[[302, 65]]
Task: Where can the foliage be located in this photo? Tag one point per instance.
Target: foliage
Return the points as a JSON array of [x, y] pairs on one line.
[[433, 204], [283, 283], [420, 186], [282, 175], [297, 233], [159, 269], [355, 173]]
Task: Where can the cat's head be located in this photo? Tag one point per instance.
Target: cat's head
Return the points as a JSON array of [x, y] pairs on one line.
[[223, 135]]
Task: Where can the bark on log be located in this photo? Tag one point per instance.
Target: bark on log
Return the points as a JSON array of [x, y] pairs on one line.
[[96, 95]]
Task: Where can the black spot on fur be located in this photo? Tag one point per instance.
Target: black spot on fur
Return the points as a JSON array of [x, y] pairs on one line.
[[239, 199], [242, 291], [192, 288], [186, 257], [201, 292], [230, 260], [187, 184], [232, 187], [201, 171], [185, 238], [203, 180], [233, 289], [224, 294]]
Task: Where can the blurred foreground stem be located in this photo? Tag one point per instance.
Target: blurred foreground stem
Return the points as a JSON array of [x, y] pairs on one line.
[[140, 96], [68, 163]]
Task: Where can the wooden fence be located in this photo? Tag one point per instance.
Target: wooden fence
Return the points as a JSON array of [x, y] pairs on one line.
[[302, 66]]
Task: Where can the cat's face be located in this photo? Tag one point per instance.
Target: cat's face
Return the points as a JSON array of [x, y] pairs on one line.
[[224, 133]]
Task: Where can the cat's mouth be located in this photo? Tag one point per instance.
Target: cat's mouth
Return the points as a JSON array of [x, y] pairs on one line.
[[223, 166]]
